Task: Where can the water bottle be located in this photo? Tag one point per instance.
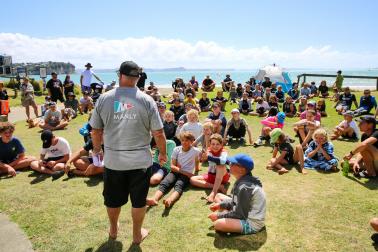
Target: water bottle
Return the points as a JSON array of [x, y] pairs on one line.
[[346, 167]]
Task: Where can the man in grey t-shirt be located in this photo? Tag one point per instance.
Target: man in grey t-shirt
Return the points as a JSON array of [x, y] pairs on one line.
[[125, 118]]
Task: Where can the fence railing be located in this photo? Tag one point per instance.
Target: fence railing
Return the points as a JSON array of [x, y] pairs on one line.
[[304, 75]]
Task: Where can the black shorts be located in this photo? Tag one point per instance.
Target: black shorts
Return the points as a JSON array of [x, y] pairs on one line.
[[52, 159], [353, 137], [118, 185]]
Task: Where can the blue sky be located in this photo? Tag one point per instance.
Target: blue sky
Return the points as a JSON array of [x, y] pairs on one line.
[[282, 26]]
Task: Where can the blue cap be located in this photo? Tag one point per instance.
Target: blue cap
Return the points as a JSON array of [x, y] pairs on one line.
[[281, 117], [242, 160]]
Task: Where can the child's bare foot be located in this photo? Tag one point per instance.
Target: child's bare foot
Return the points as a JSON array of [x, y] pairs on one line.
[[151, 202], [333, 137], [143, 234], [269, 167], [282, 171], [303, 171], [211, 197], [167, 203]]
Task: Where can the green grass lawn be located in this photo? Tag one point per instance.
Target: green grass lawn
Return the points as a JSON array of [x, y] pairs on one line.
[[313, 212]]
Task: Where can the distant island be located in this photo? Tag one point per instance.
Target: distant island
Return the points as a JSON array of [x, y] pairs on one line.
[[58, 67]]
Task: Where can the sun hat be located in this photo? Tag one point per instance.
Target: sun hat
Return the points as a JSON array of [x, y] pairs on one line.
[[129, 68], [281, 117], [275, 134], [242, 160], [88, 65], [46, 138]]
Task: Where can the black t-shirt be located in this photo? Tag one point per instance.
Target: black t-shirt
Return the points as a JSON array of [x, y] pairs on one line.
[[142, 80], [375, 135], [286, 146], [347, 99], [219, 99], [177, 111], [228, 79], [323, 89], [54, 87], [207, 82], [170, 129], [4, 95], [266, 84], [204, 102], [68, 87]]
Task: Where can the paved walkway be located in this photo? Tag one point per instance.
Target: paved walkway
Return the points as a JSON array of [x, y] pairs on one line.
[[12, 238]]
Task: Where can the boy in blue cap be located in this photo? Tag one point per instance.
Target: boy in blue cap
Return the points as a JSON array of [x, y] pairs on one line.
[[244, 212]]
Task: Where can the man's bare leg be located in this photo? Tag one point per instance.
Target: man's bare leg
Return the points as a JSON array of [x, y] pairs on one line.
[[113, 214], [139, 233]]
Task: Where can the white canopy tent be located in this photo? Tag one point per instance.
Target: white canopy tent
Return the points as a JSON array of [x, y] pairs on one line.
[[275, 74]]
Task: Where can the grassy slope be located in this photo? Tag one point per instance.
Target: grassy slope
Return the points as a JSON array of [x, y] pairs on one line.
[[325, 212]]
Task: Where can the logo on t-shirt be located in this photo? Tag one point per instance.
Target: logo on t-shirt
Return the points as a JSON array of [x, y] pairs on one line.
[[125, 109], [120, 107]]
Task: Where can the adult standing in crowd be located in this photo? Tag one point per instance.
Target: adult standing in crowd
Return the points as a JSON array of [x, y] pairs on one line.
[[124, 119], [366, 162], [86, 78], [339, 81], [68, 86], [27, 98], [142, 80], [266, 83], [55, 88]]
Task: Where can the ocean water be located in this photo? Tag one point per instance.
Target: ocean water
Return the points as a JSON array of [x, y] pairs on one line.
[[165, 78]]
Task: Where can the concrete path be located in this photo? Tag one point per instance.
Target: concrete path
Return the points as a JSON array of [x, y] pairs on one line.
[[12, 238]]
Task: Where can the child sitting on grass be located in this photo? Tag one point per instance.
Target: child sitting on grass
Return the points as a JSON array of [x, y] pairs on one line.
[[204, 103], [302, 105], [319, 154], [204, 138], [288, 107], [185, 159], [288, 155], [160, 171], [321, 107], [244, 212], [347, 128], [192, 125], [270, 123], [217, 174], [220, 100]]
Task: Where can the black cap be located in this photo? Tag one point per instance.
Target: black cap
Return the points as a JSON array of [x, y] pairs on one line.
[[54, 73], [71, 94], [367, 119], [46, 138], [129, 68]]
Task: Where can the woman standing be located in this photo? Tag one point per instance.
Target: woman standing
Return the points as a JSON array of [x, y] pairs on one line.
[[68, 86], [27, 98]]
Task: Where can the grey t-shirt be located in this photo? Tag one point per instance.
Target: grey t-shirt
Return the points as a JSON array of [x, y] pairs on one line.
[[127, 117], [53, 117], [186, 159]]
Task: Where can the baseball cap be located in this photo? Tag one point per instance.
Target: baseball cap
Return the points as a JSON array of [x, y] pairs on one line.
[[235, 110], [71, 94], [52, 103], [281, 117], [129, 68], [349, 113], [274, 135], [242, 160], [367, 119], [46, 138]]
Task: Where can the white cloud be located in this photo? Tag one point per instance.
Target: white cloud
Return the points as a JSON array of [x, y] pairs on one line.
[[153, 52]]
